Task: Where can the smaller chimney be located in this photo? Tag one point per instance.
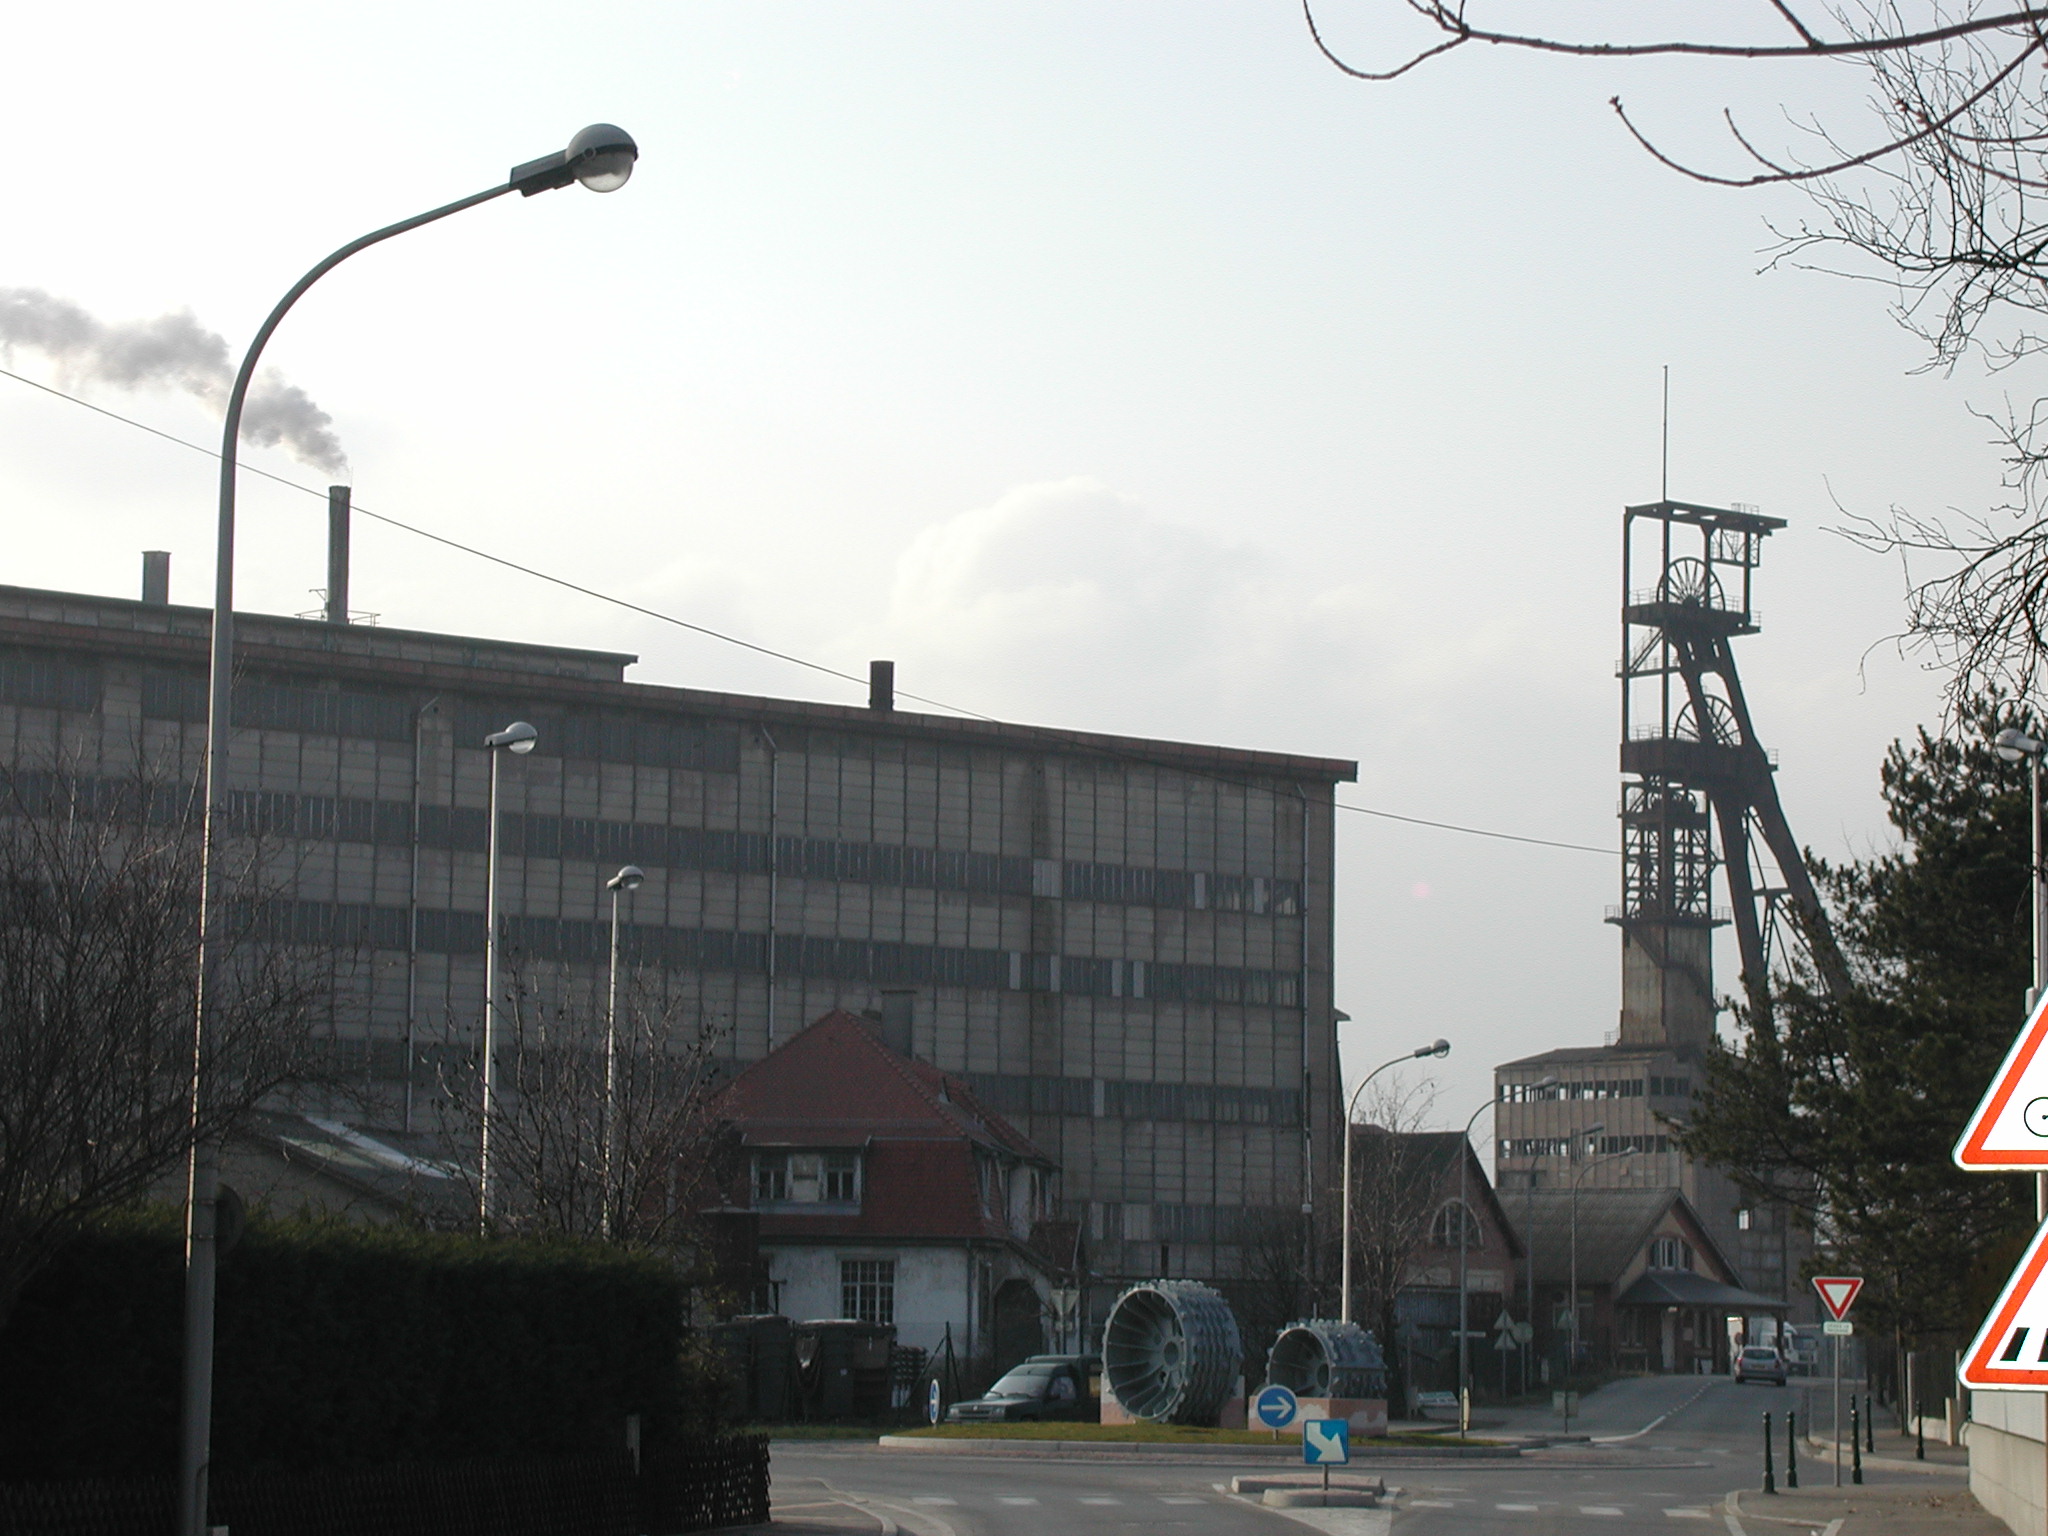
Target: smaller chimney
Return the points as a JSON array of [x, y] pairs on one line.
[[899, 1009], [882, 685], [156, 577], [337, 554]]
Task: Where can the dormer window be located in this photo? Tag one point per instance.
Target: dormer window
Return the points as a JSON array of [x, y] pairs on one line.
[[1669, 1253], [807, 1178]]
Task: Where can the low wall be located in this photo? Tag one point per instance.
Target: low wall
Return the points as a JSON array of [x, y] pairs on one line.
[[2009, 1460]]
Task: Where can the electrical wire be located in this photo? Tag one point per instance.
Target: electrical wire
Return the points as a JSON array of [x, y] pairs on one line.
[[630, 606]]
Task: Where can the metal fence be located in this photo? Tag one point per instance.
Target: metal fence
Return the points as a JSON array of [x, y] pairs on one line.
[[689, 1486]]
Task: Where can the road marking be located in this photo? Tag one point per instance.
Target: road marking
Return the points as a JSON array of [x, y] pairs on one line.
[[1167, 1498], [1102, 1501], [1516, 1509], [935, 1499], [1431, 1504], [1690, 1514], [1598, 1509], [1016, 1501]]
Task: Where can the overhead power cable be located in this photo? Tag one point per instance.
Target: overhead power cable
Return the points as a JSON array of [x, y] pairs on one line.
[[761, 650]]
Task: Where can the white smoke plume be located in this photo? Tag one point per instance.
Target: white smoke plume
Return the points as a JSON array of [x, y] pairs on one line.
[[171, 351]]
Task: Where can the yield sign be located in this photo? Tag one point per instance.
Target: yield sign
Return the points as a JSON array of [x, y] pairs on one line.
[[2010, 1127], [1838, 1293], [2009, 1351]]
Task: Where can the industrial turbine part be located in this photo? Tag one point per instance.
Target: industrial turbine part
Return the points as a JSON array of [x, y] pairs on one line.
[[1171, 1352], [1321, 1358]]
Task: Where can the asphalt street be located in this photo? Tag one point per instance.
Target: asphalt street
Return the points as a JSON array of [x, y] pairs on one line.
[[1663, 1455]]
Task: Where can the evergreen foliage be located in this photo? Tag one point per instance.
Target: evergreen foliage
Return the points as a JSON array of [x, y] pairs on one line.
[[1846, 1108]]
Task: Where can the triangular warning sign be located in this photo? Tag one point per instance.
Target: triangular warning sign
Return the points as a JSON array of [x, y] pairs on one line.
[[1838, 1293], [2010, 1352], [2010, 1127]]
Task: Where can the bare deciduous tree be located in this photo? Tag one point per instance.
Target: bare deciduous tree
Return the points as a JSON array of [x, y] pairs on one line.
[[99, 891], [1942, 203], [1392, 1198], [551, 1133]]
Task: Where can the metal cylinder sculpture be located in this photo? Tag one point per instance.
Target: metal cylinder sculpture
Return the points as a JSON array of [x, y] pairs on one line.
[[1171, 1351], [1321, 1358]]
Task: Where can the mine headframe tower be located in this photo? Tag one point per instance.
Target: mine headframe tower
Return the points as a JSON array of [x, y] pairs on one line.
[[1692, 767]]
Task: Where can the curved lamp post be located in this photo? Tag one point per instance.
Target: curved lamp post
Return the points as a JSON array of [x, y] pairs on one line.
[[601, 157], [1464, 1248], [1586, 1136], [625, 882], [1434, 1048]]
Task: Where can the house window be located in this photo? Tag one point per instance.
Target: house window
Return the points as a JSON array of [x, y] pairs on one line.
[[1669, 1253], [771, 1177], [842, 1177], [1454, 1220], [867, 1290]]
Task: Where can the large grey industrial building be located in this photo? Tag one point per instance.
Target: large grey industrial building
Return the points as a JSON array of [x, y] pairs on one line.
[[1124, 944]]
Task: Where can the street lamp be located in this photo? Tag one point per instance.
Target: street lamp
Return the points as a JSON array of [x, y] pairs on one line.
[[2012, 744], [601, 157], [625, 882], [1587, 1135], [518, 739], [1464, 1246], [1434, 1048]]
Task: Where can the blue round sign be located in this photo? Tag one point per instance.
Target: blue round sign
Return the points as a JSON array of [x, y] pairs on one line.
[[931, 1402], [1275, 1407]]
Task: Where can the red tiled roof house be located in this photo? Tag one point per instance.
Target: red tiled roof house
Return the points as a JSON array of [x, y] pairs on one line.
[[885, 1192]]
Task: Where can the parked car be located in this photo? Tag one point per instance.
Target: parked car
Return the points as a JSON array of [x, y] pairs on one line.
[[1759, 1362], [1043, 1387]]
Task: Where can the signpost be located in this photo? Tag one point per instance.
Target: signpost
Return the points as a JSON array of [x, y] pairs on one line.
[[931, 1402], [1326, 1443], [1275, 1408], [1838, 1295], [1999, 1359]]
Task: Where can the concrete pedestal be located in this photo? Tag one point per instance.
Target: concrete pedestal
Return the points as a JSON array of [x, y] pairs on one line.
[[2009, 1458]]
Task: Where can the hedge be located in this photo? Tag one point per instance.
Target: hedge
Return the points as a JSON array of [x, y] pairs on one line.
[[340, 1345]]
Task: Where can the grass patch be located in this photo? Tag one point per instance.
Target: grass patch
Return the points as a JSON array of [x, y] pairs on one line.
[[823, 1431]]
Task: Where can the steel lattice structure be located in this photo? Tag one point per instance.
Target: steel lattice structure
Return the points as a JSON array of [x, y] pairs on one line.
[[1694, 769]]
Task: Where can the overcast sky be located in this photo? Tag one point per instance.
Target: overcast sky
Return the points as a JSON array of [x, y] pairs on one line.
[[1114, 366]]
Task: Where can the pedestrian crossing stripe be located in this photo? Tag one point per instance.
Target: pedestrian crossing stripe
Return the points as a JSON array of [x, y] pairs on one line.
[[2010, 1351], [2009, 1127]]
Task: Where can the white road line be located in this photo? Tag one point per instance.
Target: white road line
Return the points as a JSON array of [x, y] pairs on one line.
[[1431, 1504], [1690, 1514], [1016, 1501], [935, 1499], [1516, 1509], [1169, 1498], [1102, 1501], [1638, 1434], [1598, 1509]]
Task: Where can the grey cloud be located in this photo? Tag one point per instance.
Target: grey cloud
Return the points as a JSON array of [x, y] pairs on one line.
[[170, 351]]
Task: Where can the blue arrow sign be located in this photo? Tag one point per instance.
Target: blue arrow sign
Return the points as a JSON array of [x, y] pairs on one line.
[[1275, 1407], [1326, 1442], [931, 1402]]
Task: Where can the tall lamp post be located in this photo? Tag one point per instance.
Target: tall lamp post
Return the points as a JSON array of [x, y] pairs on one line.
[[1434, 1048], [624, 883], [600, 157], [518, 739], [1464, 1245], [1585, 1136], [2012, 744]]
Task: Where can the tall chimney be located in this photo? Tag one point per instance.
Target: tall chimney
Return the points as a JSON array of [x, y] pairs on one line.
[[156, 577], [337, 554], [882, 685]]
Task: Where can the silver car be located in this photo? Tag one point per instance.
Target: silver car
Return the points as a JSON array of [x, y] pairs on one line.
[[1759, 1362]]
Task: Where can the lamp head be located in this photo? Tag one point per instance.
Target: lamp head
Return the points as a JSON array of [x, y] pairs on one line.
[[601, 157], [628, 879], [1594, 1129], [1435, 1048], [2012, 744], [518, 737]]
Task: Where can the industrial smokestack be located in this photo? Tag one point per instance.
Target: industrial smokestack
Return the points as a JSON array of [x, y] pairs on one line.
[[882, 685], [337, 554], [156, 577]]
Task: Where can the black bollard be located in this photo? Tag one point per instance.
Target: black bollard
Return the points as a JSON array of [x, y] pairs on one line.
[[1855, 1443], [1919, 1436], [1869, 1426], [1770, 1481], [1791, 1448]]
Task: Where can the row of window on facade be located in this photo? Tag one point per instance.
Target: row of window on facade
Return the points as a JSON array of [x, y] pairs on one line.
[[308, 817], [1655, 1087], [1567, 1146]]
